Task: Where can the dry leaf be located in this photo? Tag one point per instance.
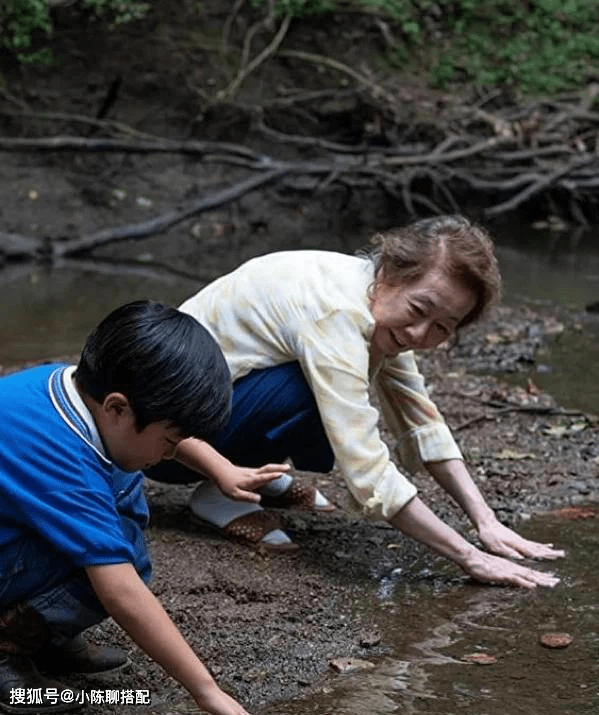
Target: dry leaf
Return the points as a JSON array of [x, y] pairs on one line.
[[479, 658], [555, 640], [511, 454]]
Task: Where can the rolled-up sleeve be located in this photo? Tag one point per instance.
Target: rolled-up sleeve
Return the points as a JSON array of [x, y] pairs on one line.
[[419, 429], [334, 357]]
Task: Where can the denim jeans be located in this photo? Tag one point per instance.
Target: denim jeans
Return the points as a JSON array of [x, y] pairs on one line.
[[33, 573], [274, 417]]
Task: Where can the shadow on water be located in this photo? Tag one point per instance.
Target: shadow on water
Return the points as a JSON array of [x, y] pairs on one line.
[[435, 637]]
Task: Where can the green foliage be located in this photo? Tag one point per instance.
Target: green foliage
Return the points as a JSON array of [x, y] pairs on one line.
[[300, 8], [120, 11], [22, 20], [537, 46], [541, 46], [26, 25]]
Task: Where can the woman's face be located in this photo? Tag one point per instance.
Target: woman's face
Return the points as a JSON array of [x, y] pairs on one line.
[[418, 315]]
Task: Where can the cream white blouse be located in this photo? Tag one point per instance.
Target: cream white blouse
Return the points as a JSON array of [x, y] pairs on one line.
[[312, 306]]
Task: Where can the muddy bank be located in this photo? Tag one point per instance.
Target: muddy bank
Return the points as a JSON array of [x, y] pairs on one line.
[[268, 626]]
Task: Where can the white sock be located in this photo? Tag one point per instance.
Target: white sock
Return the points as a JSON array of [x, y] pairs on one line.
[[208, 503], [277, 486]]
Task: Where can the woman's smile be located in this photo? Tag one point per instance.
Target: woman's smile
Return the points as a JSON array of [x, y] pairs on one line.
[[419, 315]]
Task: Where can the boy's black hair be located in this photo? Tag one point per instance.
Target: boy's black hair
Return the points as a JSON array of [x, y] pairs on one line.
[[166, 364]]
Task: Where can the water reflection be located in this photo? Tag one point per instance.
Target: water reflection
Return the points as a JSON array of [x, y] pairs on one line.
[[434, 638], [50, 311], [47, 312]]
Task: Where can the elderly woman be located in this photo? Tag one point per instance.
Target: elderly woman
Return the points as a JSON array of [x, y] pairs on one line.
[[305, 333]]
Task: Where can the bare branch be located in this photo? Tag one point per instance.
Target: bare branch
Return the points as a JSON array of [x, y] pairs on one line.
[[248, 67], [164, 222]]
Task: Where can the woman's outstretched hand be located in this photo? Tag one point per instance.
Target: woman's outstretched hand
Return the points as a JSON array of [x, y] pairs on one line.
[[488, 568], [419, 522], [217, 702], [501, 540]]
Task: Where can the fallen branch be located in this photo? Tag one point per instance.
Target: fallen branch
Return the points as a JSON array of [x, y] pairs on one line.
[[378, 92], [67, 143], [433, 169], [526, 409], [248, 67], [14, 246], [538, 186], [164, 222]]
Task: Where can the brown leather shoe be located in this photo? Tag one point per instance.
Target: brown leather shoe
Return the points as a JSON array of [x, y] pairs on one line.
[[299, 495], [24, 691], [79, 656]]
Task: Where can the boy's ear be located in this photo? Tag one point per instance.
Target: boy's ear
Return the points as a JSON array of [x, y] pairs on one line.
[[115, 404]]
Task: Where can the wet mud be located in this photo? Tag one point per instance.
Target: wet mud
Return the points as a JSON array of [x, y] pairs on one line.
[[270, 626]]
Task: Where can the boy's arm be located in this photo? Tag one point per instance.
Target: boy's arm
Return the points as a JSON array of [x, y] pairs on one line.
[[235, 482], [135, 608], [454, 477]]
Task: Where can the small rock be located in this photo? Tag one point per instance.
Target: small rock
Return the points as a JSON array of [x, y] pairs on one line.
[[555, 640], [369, 639], [350, 665], [575, 512], [479, 658]]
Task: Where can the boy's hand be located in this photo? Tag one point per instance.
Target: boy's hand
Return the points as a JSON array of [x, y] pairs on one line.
[[234, 482], [136, 609], [217, 702], [501, 540], [240, 483]]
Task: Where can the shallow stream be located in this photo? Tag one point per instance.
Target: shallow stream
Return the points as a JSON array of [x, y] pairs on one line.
[[47, 313], [435, 636]]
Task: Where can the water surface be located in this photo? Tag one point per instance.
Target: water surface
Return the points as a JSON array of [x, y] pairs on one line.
[[433, 634]]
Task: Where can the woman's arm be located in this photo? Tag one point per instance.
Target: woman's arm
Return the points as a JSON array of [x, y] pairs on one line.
[[409, 411], [455, 479], [418, 521], [235, 482], [133, 606]]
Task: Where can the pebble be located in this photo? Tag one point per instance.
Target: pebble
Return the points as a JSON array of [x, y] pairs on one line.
[[369, 639], [555, 640], [350, 665]]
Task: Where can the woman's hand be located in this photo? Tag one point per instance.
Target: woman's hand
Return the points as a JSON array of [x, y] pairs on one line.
[[496, 570], [454, 477], [240, 483], [500, 539], [419, 522]]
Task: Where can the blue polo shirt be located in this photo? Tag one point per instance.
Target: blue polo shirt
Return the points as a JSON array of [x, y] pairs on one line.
[[56, 481]]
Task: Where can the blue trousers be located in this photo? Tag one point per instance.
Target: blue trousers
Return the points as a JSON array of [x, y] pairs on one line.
[[274, 417], [36, 575]]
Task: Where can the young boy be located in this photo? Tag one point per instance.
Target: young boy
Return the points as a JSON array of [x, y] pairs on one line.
[[72, 509]]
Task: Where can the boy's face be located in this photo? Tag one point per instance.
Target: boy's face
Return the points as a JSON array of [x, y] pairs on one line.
[[142, 450], [131, 449]]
